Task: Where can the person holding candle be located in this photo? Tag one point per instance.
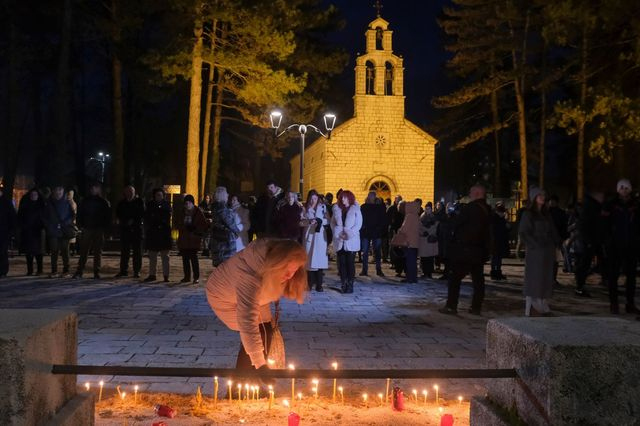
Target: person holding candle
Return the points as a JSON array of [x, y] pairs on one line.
[[314, 237], [242, 288]]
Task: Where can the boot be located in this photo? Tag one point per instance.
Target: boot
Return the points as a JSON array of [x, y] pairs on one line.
[[349, 288], [319, 278], [311, 278], [344, 286]]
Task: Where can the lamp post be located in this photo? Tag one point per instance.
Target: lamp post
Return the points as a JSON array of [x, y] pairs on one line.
[[329, 124], [102, 158]]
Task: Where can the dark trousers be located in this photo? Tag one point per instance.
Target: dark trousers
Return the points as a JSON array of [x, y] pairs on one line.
[[377, 254], [347, 265], [496, 263], [30, 258], [130, 244], [315, 278], [625, 261], [92, 240], [189, 262], [426, 264], [244, 362], [59, 246], [397, 259], [583, 266], [411, 263], [4, 257], [458, 272], [385, 248]]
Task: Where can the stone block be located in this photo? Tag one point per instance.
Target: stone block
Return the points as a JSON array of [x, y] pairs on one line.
[[484, 413], [31, 340], [573, 370], [80, 411]]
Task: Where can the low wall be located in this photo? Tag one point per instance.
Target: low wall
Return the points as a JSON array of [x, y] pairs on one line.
[[573, 371], [31, 340]]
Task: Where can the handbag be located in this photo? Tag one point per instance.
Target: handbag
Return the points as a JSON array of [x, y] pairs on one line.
[[70, 230], [276, 351], [400, 240]]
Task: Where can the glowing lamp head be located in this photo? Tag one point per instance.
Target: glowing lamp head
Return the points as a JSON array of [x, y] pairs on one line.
[[329, 121], [276, 119]]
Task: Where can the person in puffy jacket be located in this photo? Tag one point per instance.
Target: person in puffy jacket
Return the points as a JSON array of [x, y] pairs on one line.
[[241, 290]]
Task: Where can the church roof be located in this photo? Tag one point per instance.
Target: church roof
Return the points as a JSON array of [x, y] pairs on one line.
[[379, 22]]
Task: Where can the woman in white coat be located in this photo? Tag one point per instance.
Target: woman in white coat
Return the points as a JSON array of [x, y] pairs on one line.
[[428, 248], [314, 238], [241, 290], [242, 222], [346, 224]]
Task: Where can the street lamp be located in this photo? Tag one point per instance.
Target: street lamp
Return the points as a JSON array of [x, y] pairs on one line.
[[329, 124], [102, 158]]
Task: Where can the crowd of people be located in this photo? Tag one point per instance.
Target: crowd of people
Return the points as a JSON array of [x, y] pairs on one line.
[[455, 238]]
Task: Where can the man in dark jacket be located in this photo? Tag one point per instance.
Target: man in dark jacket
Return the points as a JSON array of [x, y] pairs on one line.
[[621, 244], [374, 224], [58, 218], [469, 250], [94, 218], [158, 235], [7, 225], [561, 222], [266, 211], [130, 215], [588, 239]]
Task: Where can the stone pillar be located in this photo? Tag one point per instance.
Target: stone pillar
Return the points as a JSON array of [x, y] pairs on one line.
[[31, 341], [573, 371]]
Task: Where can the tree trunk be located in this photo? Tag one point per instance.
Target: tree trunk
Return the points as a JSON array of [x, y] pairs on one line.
[[204, 155], [581, 128], [63, 99], [543, 133], [518, 85], [497, 182], [195, 109], [214, 161], [117, 165]]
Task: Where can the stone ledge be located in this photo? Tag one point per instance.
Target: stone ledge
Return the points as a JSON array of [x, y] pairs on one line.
[[80, 411], [484, 413]]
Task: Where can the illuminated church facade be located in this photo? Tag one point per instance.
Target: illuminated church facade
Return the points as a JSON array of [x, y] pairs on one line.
[[378, 149]]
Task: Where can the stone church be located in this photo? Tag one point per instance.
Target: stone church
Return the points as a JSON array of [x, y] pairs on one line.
[[378, 149]]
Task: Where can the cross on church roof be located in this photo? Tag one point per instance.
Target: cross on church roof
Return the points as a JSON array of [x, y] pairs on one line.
[[378, 5]]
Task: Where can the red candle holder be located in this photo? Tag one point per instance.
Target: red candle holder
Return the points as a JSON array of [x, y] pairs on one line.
[[446, 420], [294, 419]]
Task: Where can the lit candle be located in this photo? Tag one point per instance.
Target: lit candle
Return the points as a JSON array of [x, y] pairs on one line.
[[135, 394], [299, 396], [285, 403], [122, 395], [364, 398], [270, 396], [100, 394], [380, 398], [230, 390], [341, 394], [293, 383], [239, 392], [335, 381], [315, 387], [425, 393], [437, 395], [386, 395], [215, 390], [87, 386], [246, 391], [460, 400], [415, 394]]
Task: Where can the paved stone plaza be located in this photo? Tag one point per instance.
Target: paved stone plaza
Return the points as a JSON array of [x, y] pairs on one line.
[[384, 324]]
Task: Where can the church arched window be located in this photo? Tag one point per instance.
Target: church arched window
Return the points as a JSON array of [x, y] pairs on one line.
[[379, 38], [371, 78], [381, 189], [388, 79]]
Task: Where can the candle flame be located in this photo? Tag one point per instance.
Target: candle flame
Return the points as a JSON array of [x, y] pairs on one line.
[[87, 385], [365, 396], [215, 378], [285, 403], [229, 383], [335, 365], [270, 387], [314, 381], [440, 409], [292, 367], [415, 391], [435, 387], [123, 395], [271, 362], [136, 387], [300, 395], [101, 383], [380, 396], [425, 393]]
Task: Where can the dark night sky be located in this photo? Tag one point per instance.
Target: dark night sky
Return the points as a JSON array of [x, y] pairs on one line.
[[416, 37]]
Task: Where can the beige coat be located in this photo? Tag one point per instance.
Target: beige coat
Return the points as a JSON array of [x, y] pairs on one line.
[[236, 295], [411, 224]]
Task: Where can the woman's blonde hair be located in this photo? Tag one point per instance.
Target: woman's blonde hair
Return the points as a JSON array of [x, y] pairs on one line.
[[280, 253]]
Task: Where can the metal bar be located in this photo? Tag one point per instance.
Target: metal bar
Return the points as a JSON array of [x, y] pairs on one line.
[[108, 370]]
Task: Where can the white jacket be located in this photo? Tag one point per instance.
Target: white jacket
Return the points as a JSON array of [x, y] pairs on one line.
[[351, 227], [243, 223], [316, 242], [234, 291]]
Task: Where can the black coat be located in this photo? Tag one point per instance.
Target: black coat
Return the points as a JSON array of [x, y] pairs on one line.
[[130, 216], [265, 213], [7, 218], [31, 225], [621, 225], [56, 215], [158, 224], [374, 221], [94, 212], [471, 235], [499, 235], [561, 221], [590, 225]]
